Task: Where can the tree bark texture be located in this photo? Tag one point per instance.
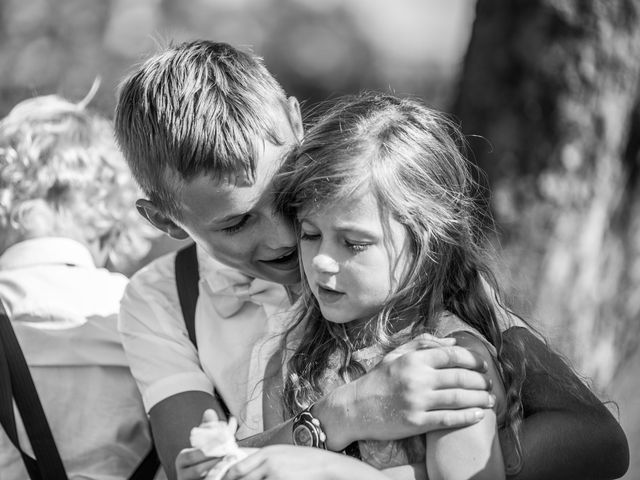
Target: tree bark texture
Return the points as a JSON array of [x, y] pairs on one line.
[[550, 91]]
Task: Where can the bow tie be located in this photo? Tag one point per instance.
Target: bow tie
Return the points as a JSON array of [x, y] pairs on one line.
[[231, 289]]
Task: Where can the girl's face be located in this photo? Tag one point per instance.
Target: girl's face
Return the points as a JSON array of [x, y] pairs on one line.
[[351, 260]]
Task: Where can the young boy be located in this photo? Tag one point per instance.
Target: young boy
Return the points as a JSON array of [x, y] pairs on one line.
[[205, 127]]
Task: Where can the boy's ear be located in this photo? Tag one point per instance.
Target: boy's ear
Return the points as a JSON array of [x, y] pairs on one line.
[[159, 219], [295, 117]]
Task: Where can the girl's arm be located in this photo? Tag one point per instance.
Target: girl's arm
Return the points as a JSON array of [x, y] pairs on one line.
[[473, 451], [286, 462], [561, 436], [415, 471]]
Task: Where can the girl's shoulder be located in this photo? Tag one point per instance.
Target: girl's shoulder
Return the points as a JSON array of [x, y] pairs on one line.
[[448, 324]]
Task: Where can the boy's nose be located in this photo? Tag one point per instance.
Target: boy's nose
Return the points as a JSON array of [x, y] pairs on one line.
[[325, 264]]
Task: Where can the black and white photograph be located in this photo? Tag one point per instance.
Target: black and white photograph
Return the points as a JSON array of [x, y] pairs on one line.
[[319, 240]]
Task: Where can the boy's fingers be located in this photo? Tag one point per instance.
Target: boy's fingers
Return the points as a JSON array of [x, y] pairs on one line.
[[199, 470], [458, 398], [420, 342], [189, 456], [209, 415], [452, 357], [191, 463], [440, 419], [426, 340], [447, 378]]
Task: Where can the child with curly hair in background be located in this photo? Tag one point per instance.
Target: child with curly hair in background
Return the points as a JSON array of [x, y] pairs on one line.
[[67, 210]]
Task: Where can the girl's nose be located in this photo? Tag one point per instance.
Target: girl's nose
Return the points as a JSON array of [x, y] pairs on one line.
[[325, 264]]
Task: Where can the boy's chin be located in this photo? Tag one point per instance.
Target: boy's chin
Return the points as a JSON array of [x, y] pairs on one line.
[[287, 278]]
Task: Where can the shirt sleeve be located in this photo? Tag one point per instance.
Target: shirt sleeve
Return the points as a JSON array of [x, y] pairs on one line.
[[162, 358]]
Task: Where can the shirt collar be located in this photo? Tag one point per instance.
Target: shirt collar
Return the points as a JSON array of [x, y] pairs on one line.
[[46, 251], [212, 273]]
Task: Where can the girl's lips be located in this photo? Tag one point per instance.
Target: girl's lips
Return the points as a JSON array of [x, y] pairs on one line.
[[328, 296]]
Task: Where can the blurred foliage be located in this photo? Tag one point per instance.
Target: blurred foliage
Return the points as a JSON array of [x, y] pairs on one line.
[[554, 87], [316, 49]]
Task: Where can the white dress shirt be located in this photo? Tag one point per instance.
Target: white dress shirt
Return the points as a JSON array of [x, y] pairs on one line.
[[233, 346], [64, 310]]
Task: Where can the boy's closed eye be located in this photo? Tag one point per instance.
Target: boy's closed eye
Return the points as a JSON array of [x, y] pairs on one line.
[[237, 225]]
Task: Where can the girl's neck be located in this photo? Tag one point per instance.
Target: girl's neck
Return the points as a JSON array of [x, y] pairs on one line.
[[293, 292], [360, 333]]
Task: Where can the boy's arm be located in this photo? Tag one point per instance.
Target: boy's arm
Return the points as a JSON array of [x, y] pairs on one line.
[[422, 390], [163, 360], [562, 437], [473, 451], [171, 422], [419, 387]]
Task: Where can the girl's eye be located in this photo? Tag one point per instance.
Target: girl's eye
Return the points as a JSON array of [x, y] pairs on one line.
[[304, 236], [236, 227], [357, 247]]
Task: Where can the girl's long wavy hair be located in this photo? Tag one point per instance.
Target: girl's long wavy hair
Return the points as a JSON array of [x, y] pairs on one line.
[[411, 158]]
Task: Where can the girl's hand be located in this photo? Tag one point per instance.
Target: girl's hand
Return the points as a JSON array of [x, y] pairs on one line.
[[287, 462], [192, 464], [424, 385]]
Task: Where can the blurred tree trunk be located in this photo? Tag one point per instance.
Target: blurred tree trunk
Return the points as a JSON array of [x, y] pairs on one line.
[[552, 86]]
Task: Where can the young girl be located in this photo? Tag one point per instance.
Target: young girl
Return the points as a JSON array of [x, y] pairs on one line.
[[391, 246]]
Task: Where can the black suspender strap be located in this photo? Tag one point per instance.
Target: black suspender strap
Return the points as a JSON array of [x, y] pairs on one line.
[[7, 418], [148, 466], [16, 383], [187, 279]]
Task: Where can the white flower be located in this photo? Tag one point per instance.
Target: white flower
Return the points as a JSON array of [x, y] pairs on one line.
[[216, 438]]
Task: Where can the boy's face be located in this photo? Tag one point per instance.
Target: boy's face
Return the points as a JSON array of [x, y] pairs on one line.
[[236, 224]]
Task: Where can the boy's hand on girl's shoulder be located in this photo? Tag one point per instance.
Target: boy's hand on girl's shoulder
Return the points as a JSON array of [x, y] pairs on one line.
[[426, 384], [420, 342]]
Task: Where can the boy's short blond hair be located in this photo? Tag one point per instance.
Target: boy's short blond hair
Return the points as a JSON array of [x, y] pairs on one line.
[[61, 174], [197, 108]]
